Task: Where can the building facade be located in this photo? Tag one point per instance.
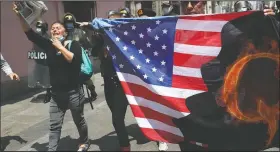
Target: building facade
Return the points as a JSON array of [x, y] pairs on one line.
[[15, 45]]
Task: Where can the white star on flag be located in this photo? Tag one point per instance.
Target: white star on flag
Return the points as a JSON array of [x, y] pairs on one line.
[[121, 66], [149, 29], [140, 51], [133, 42], [138, 66], [164, 31], [163, 47], [133, 27], [155, 53], [132, 57], [114, 57], [124, 48], [163, 62], [117, 39], [147, 60], [125, 32], [141, 35], [156, 37], [154, 69], [158, 21], [161, 79], [110, 29], [149, 44], [145, 76]]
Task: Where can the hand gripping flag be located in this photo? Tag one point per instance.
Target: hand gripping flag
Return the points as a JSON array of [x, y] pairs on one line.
[[158, 62]]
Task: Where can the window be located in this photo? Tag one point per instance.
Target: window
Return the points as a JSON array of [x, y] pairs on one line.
[[83, 10]]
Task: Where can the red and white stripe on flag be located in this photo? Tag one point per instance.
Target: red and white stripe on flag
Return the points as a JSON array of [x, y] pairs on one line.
[[197, 41]]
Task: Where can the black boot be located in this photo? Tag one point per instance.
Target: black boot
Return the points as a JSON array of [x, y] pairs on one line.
[[92, 93], [48, 96]]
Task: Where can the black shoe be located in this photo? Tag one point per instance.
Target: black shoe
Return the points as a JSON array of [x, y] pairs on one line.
[[93, 96], [47, 98]]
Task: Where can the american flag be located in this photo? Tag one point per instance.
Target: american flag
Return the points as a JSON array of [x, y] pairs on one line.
[[158, 62]]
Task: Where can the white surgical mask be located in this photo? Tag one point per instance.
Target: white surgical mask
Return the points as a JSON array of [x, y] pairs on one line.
[[61, 38]]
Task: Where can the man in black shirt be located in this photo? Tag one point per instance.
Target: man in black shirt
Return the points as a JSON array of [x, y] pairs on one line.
[[65, 67]]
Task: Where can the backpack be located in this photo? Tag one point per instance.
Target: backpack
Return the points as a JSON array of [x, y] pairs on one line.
[[86, 67]]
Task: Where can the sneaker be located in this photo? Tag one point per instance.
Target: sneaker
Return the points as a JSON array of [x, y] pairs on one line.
[[125, 149], [83, 147], [162, 146]]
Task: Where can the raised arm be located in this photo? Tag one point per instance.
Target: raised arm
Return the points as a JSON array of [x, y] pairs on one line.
[[31, 35]]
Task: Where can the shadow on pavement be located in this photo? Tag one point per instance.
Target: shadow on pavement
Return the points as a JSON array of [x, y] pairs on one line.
[[20, 97], [108, 142], [5, 141]]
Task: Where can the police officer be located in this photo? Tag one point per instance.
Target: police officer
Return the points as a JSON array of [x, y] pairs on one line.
[[168, 9], [40, 75], [76, 33], [144, 12], [125, 13], [114, 94]]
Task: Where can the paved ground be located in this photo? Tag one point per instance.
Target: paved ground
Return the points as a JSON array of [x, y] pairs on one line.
[[24, 126]]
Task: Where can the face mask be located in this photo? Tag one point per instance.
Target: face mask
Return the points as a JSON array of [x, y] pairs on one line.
[[61, 38], [69, 26]]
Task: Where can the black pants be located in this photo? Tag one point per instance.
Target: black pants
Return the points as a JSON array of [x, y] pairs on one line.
[[60, 102], [117, 103]]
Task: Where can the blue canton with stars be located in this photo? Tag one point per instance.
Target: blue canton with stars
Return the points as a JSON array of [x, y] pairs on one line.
[[141, 47]]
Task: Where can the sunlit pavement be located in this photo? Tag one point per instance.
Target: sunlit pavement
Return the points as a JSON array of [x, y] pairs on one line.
[[25, 123]]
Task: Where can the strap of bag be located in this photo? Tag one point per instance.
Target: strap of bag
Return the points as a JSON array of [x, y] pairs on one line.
[[69, 42]]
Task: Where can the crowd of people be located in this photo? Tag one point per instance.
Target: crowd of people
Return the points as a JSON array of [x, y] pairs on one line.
[[63, 48]]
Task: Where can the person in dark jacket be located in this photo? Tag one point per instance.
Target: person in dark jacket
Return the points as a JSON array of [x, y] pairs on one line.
[[64, 67], [114, 93], [78, 34], [40, 75]]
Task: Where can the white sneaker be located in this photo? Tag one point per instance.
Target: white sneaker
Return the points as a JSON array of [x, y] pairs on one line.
[[162, 146]]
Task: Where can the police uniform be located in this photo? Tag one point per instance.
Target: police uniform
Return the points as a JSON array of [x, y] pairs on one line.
[[77, 34], [146, 13], [39, 74], [114, 94], [125, 12]]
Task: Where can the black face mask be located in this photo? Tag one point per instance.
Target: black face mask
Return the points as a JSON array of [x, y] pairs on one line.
[[69, 26]]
